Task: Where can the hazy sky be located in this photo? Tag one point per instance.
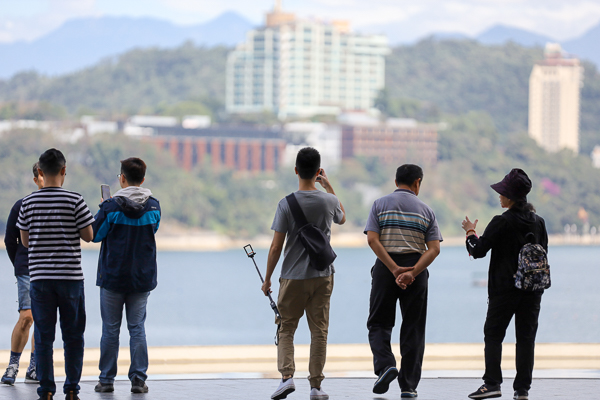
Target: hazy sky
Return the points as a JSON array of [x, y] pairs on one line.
[[560, 19]]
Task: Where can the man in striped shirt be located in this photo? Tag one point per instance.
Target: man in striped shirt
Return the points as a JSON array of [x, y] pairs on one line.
[[52, 222], [403, 232]]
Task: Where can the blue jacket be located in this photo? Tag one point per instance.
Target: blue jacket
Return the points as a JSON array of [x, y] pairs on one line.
[[127, 262], [12, 239]]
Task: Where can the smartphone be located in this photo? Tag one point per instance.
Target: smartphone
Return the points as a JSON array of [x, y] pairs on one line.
[[321, 170], [105, 192]]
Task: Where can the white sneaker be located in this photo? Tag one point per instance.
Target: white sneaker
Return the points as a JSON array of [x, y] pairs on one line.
[[285, 388], [318, 394]]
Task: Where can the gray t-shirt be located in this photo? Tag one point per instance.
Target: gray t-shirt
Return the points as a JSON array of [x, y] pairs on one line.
[[319, 208], [404, 223]]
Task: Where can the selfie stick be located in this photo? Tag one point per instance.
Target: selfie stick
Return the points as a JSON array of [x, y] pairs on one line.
[[251, 253]]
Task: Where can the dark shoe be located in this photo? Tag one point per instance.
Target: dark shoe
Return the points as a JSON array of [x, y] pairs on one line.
[[71, 395], [10, 375], [46, 396], [486, 392], [408, 394], [31, 376], [382, 384], [521, 394], [104, 387], [138, 385]]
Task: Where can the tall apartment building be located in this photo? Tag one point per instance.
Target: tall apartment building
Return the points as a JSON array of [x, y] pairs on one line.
[[554, 88], [297, 67]]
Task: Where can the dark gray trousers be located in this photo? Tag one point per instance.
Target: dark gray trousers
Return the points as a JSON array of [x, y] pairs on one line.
[[382, 317]]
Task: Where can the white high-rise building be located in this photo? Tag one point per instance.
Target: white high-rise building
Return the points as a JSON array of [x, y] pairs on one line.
[[554, 88], [297, 67]]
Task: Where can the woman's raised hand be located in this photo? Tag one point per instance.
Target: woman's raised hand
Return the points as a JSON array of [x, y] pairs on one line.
[[467, 225]]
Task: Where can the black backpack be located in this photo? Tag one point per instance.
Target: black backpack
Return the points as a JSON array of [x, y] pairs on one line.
[[533, 270], [313, 239]]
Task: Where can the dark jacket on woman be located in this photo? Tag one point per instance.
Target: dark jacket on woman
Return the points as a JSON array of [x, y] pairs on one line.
[[505, 235], [12, 240]]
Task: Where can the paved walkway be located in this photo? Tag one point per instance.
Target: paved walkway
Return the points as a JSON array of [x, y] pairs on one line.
[[338, 388]]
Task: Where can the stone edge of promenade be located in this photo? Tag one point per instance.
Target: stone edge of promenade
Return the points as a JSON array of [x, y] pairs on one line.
[[341, 358]]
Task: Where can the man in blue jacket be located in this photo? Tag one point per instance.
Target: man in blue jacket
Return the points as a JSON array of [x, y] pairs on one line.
[[20, 259], [126, 225]]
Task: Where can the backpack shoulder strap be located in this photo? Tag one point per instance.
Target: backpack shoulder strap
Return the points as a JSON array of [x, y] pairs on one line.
[[296, 210]]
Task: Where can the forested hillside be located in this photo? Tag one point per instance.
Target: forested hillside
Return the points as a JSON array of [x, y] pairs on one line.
[[425, 80], [140, 81], [457, 77], [480, 91]]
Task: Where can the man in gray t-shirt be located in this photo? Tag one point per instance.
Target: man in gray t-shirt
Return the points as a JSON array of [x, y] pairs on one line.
[[303, 288]]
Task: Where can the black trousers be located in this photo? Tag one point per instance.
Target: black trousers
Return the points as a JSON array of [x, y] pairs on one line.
[[382, 317], [525, 306]]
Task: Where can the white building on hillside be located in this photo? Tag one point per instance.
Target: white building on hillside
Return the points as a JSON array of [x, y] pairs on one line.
[[296, 67], [554, 88]]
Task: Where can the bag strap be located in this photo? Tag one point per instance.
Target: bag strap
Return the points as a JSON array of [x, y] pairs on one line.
[[296, 210]]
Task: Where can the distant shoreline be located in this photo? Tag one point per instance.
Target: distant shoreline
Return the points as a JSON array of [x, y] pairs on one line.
[[212, 241]]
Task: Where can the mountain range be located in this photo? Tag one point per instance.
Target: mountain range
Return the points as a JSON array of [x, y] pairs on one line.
[[82, 42]]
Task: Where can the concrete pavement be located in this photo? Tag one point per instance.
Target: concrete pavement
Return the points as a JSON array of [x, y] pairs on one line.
[[337, 388]]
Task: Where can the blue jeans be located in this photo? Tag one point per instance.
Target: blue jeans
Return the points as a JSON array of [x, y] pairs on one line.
[[23, 286], [111, 309], [47, 296]]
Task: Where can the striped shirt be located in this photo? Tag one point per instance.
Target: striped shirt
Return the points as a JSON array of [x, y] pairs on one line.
[[53, 217], [404, 223]]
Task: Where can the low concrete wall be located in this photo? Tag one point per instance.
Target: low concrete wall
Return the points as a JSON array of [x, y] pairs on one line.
[[341, 358]]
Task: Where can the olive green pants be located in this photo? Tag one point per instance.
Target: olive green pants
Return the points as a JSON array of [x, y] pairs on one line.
[[295, 297]]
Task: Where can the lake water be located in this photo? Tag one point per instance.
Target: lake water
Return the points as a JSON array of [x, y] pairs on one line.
[[214, 298]]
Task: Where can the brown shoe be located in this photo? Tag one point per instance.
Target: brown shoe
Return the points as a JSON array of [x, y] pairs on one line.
[[138, 385], [71, 395]]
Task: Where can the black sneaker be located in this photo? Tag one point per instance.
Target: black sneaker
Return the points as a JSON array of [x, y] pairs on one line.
[[408, 394], [104, 387], [138, 385], [10, 375], [382, 384], [31, 376], [486, 392], [71, 395], [521, 394]]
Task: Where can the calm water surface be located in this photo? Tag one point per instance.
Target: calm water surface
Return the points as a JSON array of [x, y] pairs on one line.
[[214, 298]]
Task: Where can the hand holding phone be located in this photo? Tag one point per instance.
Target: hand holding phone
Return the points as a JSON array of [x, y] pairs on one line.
[[320, 174], [105, 192], [323, 180]]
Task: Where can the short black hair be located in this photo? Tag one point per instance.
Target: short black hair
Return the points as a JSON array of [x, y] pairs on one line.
[[308, 162], [52, 161], [35, 169], [134, 170], [407, 174]]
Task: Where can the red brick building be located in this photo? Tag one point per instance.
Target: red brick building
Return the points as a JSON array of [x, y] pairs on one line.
[[392, 143], [240, 149]]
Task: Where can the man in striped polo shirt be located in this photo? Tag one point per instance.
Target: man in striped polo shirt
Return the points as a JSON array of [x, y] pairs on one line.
[[52, 222], [403, 232]]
